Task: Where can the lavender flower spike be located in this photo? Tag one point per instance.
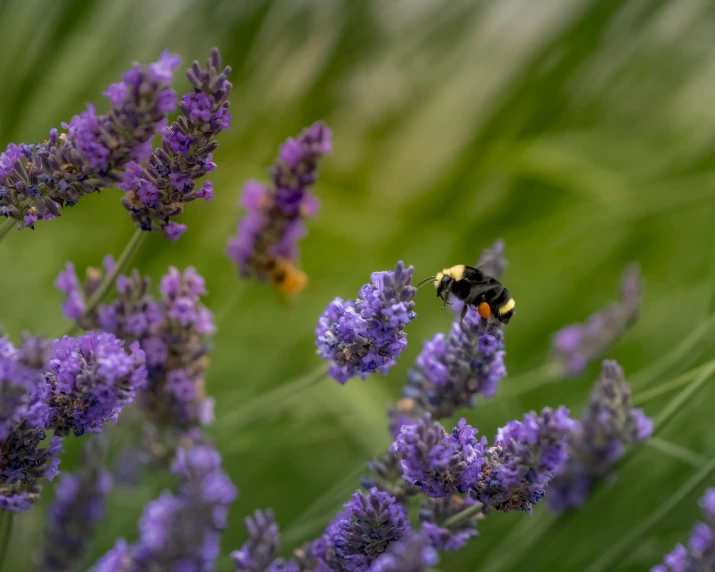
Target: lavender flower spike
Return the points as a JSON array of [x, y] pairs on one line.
[[437, 463], [370, 526], [411, 555], [435, 512], [156, 193], [523, 460], [575, 346], [266, 244], [37, 180], [599, 439], [366, 335], [700, 552], [77, 510], [258, 554], [91, 378]]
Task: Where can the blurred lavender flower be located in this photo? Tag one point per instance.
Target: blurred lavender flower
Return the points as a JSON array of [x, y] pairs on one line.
[[24, 419], [368, 527], [575, 346], [258, 554], [437, 463], [434, 513], [181, 531], [91, 378], [366, 335], [411, 555], [75, 306], [156, 193], [78, 508], [523, 459], [387, 477], [36, 180], [171, 332], [700, 553], [266, 244], [599, 439]]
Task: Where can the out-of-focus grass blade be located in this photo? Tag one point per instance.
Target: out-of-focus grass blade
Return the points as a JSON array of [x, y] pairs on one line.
[[677, 451]]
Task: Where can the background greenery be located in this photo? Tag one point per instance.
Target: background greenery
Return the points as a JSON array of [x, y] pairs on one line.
[[581, 132]]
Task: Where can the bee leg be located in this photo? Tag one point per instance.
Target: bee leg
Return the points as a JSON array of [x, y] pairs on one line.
[[464, 313], [485, 324]]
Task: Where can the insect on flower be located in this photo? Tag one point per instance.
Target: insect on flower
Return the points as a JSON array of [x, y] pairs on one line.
[[476, 289]]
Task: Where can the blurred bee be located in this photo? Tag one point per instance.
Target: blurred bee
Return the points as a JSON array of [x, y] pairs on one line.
[[476, 289]]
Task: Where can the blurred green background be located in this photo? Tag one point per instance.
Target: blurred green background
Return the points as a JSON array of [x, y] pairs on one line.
[[580, 132]]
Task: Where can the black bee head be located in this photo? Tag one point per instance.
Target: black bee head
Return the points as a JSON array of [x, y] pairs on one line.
[[443, 283]]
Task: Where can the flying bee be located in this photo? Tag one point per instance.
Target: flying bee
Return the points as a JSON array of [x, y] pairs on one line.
[[476, 289]]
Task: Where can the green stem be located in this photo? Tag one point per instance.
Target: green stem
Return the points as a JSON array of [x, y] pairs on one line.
[[676, 451], [6, 520], [612, 555], [6, 227], [272, 401], [463, 516], [642, 398], [670, 410], [124, 260]]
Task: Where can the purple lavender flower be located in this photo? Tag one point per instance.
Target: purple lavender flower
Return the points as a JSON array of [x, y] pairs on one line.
[[182, 531], [36, 180], [411, 555], [599, 439], [523, 459], [437, 463], [369, 526], [434, 513], [451, 371], [24, 419], [172, 333], [118, 559], [366, 335], [91, 378], [75, 306], [387, 477], [77, 510], [265, 245], [157, 192], [258, 554], [575, 346], [700, 553]]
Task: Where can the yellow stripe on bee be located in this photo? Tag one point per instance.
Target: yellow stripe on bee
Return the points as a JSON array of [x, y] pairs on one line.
[[456, 272], [507, 307], [438, 279]]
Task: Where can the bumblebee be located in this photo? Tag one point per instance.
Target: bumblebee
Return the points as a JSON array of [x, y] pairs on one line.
[[477, 290]]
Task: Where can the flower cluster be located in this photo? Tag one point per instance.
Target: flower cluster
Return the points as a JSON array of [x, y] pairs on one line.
[[364, 336], [700, 552], [575, 346], [266, 243], [451, 371], [436, 530], [181, 531], [368, 527], [523, 459], [156, 193], [258, 554], [36, 180], [91, 378], [437, 463], [599, 439], [24, 419], [76, 512], [75, 306], [415, 554], [170, 331]]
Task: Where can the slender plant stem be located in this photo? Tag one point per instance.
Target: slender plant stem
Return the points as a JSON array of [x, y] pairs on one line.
[[123, 261], [6, 227], [677, 451], [670, 410], [642, 398], [272, 401], [6, 520], [630, 540], [463, 516]]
